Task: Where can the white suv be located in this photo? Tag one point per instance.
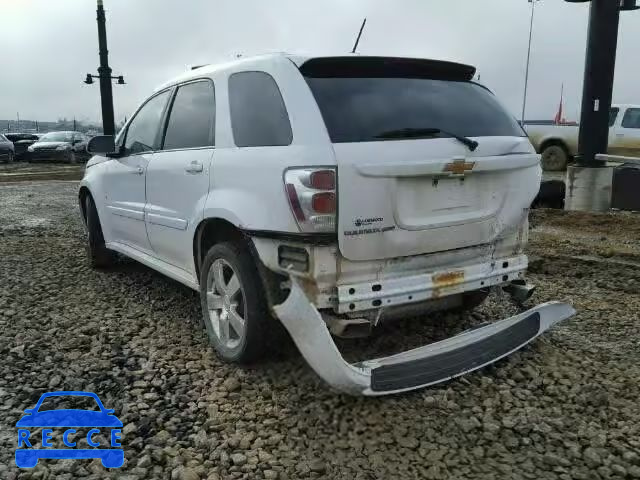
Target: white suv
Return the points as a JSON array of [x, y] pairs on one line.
[[331, 193]]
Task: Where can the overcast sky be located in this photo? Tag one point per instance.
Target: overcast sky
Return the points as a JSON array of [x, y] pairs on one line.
[[48, 46]]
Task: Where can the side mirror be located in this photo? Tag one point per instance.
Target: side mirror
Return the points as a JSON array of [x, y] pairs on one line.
[[109, 411], [102, 144], [28, 410]]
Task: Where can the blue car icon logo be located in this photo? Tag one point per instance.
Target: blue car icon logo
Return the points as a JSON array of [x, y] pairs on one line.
[[99, 422]]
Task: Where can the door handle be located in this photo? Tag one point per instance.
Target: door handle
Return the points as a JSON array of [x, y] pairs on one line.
[[138, 170], [619, 134], [194, 167]]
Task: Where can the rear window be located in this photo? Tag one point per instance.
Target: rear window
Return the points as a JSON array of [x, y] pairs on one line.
[[361, 109]]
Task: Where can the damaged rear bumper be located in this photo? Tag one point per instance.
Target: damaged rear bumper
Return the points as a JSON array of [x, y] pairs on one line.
[[421, 367]]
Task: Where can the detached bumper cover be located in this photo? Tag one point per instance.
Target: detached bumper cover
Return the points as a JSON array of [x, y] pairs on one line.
[[421, 367]]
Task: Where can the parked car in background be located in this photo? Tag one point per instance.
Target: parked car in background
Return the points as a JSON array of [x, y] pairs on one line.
[[68, 147], [7, 152], [21, 143], [558, 144], [333, 193]]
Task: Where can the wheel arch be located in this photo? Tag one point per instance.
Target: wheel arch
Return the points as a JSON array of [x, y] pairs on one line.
[[83, 193], [213, 230]]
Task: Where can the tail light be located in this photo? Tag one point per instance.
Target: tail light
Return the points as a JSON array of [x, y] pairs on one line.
[[312, 198]]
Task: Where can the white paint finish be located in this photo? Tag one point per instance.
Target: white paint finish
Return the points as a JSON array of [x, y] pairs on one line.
[[124, 184], [310, 334], [175, 198], [153, 262], [418, 211]]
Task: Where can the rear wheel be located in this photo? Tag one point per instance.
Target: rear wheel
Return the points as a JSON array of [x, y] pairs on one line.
[[99, 255], [554, 158], [234, 308]]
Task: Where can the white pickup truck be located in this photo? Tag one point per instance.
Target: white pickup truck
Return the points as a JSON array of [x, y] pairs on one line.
[[559, 143], [330, 194]]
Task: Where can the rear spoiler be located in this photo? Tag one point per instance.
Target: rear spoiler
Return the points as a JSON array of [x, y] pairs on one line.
[[386, 67]]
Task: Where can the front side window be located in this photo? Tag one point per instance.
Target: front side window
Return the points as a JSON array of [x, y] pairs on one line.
[[366, 109], [3, 138], [631, 118], [142, 133], [191, 119], [259, 117]]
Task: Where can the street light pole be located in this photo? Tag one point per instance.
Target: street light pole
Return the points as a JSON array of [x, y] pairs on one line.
[[526, 75], [104, 72]]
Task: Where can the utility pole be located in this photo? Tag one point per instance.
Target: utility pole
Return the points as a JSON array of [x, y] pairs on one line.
[[589, 183], [526, 75], [104, 71], [104, 75]]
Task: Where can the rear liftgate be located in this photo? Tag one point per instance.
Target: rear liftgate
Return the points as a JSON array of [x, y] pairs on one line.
[[421, 367]]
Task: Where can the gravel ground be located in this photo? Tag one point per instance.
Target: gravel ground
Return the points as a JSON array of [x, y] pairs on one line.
[[566, 407]]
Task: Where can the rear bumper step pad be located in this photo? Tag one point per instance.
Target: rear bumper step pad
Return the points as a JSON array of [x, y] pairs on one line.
[[420, 367], [455, 362]]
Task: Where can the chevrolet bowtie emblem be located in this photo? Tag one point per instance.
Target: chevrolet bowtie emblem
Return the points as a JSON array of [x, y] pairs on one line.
[[459, 167]]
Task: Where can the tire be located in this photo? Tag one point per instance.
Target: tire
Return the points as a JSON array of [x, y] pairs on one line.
[[554, 158], [472, 300], [234, 308], [99, 255]]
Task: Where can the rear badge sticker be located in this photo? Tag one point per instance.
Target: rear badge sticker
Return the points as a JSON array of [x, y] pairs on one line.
[[365, 222], [368, 231]]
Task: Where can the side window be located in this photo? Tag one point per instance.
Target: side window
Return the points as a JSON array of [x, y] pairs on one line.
[[191, 118], [631, 118], [143, 129], [613, 114], [259, 117]]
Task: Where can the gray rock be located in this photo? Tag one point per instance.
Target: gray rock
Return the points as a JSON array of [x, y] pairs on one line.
[[238, 459], [591, 457], [317, 466], [231, 384]]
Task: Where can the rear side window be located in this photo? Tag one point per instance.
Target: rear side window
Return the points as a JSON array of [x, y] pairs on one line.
[[143, 129], [631, 118], [259, 117], [191, 119], [363, 109]]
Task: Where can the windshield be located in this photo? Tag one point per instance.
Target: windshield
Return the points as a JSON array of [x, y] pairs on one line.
[[363, 109], [57, 137]]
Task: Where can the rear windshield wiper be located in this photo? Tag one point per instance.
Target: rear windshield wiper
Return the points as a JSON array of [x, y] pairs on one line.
[[426, 132]]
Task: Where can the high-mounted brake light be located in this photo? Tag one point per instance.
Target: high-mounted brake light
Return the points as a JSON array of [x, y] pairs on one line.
[[312, 197]]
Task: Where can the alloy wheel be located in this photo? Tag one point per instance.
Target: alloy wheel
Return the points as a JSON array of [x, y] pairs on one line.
[[226, 304]]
